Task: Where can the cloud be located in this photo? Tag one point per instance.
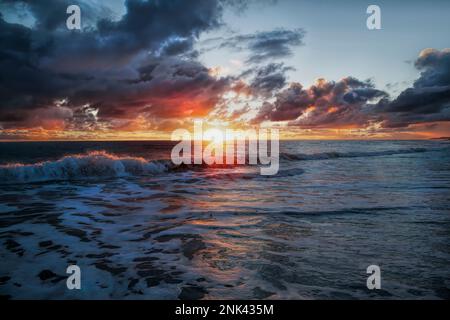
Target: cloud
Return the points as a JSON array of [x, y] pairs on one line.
[[48, 15], [139, 64], [353, 103], [266, 80], [428, 99], [266, 45], [139, 70], [324, 104]]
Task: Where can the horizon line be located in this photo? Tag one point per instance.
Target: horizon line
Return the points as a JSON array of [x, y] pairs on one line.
[[168, 140]]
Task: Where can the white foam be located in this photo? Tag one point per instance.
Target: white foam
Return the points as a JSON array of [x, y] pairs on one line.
[[74, 167]]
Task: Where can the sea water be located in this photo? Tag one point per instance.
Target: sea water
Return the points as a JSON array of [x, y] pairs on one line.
[[140, 228]]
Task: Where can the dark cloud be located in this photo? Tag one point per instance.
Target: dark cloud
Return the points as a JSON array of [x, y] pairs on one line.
[[177, 47], [164, 88], [266, 45], [118, 72], [326, 103], [435, 67], [351, 102], [429, 97], [140, 64], [266, 80]]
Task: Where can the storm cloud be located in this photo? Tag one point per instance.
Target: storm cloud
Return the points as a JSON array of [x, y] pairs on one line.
[[428, 99], [141, 63], [141, 69]]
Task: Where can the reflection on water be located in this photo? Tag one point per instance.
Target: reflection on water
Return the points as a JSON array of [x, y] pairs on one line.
[[309, 232]]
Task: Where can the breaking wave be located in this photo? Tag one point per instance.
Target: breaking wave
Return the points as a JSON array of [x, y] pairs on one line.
[[336, 155], [100, 164], [74, 167]]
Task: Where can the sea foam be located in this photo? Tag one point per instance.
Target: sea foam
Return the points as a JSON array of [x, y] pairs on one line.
[[81, 166], [100, 164]]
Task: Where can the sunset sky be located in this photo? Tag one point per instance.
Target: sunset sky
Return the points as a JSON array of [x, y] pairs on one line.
[[141, 69]]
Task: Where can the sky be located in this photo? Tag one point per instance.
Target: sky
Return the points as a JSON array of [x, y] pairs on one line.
[[140, 69]]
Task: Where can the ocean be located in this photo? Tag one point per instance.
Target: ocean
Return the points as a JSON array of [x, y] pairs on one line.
[[140, 228]]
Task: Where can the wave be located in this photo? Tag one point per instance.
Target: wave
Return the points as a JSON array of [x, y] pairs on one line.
[[82, 166], [336, 155], [291, 172], [100, 164]]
